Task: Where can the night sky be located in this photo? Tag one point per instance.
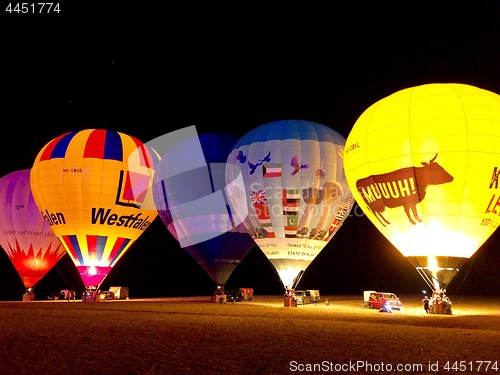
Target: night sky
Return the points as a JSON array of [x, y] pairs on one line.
[[145, 73]]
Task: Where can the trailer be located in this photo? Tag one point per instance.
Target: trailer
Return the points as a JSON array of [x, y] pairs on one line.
[[314, 294], [119, 292], [247, 294]]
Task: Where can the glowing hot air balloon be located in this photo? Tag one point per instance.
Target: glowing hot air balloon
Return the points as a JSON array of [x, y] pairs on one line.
[[286, 181], [423, 164], [218, 252], [25, 235], [94, 188]]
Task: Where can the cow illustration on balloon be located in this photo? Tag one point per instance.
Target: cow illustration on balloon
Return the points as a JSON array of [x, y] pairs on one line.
[[404, 187]]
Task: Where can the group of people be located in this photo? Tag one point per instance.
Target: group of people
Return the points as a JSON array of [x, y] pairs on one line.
[[439, 303], [91, 294], [386, 306], [220, 295], [289, 298], [29, 295]]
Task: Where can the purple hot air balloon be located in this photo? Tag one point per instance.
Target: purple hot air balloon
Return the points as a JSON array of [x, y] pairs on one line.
[[25, 235]]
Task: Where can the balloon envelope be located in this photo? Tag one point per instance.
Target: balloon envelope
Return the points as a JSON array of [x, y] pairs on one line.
[[220, 244], [25, 235], [286, 181], [423, 164], [94, 188]]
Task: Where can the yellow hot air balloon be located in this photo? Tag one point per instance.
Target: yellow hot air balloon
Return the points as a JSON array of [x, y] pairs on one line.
[[94, 187], [423, 164]]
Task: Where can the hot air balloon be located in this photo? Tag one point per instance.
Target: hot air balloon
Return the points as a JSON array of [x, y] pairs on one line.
[[25, 235], [423, 164], [94, 188], [217, 251], [286, 182]]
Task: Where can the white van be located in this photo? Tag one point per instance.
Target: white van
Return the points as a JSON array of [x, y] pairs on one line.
[[307, 296]]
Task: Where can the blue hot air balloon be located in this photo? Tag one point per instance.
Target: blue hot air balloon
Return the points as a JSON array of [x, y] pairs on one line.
[[207, 232]]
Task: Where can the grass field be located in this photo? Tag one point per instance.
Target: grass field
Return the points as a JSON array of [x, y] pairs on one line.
[[194, 336]]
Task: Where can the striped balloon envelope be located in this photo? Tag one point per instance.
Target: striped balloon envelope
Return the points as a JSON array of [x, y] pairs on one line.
[[94, 188], [25, 235]]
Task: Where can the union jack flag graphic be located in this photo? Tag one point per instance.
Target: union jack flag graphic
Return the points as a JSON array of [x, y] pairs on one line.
[[259, 197], [260, 203]]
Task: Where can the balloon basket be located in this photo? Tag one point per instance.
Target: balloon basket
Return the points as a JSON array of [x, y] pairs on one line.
[[28, 297], [219, 298], [439, 308], [289, 302]]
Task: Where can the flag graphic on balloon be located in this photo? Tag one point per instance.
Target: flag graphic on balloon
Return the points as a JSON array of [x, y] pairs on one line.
[[295, 195]]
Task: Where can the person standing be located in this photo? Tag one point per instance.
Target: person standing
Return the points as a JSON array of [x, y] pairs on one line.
[[426, 301], [447, 305]]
